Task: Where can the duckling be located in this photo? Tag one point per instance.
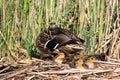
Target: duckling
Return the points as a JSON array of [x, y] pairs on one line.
[[59, 58], [58, 38], [79, 64], [79, 55], [101, 57], [89, 62]]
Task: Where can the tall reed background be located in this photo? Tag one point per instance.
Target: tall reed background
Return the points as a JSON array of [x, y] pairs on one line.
[[96, 21]]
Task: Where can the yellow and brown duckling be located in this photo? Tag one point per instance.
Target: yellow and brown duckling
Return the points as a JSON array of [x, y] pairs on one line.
[[60, 57], [58, 38], [85, 62], [89, 62], [79, 64], [80, 55]]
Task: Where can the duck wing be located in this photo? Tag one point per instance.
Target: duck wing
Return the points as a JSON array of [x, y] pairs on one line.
[[60, 40], [57, 41]]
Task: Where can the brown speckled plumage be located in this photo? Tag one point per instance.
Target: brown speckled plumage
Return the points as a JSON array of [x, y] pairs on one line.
[[61, 36]]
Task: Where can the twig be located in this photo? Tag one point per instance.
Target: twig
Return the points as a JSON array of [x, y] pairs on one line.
[[35, 59], [74, 71], [114, 60], [52, 66], [104, 62], [117, 70], [38, 74], [31, 77], [3, 74], [106, 43], [114, 76], [98, 71], [4, 69], [15, 73]]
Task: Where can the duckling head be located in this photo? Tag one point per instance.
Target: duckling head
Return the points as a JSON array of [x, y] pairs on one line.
[[90, 60], [79, 55]]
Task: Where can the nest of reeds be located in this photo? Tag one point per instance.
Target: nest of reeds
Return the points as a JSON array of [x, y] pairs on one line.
[[37, 69]]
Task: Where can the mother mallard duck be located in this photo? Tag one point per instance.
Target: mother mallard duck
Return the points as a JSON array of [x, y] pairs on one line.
[[55, 40]]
